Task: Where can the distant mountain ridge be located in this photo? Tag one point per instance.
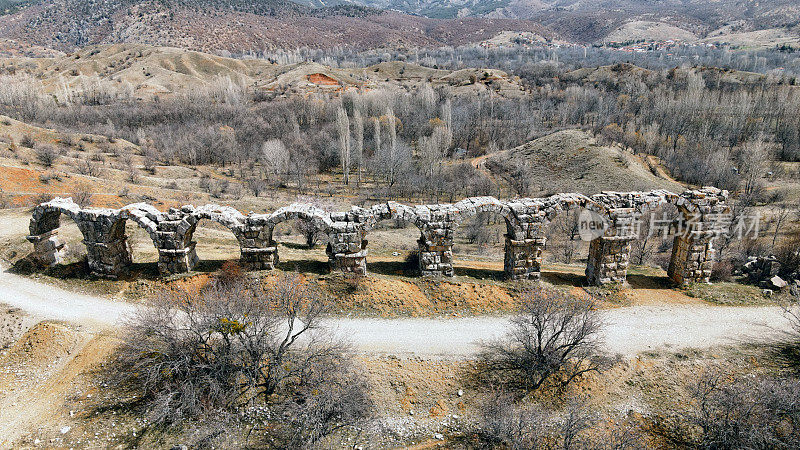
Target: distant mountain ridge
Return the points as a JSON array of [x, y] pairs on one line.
[[236, 25], [241, 26]]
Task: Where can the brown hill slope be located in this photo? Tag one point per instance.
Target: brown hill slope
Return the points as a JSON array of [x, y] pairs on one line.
[[146, 71], [572, 161]]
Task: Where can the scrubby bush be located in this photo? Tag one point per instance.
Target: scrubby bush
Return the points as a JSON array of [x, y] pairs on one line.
[[555, 337], [38, 199], [82, 194], [730, 412], [503, 422], [27, 141], [238, 348], [46, 155]]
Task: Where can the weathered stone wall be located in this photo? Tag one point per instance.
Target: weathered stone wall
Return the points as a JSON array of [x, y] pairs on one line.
[[172, 232]]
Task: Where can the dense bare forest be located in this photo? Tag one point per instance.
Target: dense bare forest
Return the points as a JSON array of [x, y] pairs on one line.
[[708, 125]]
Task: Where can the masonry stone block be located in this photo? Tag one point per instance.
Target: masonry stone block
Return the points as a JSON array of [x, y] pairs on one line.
[[172, 232]]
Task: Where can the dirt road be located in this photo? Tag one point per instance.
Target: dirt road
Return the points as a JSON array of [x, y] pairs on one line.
[[629, 331]]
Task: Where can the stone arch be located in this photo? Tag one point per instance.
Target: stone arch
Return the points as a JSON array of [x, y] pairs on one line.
[[513, 259], [525, 248], [48, 248], [226, 216], [320, 219], [47, 216], [470, 207], [693, 249], [146, 217], [263, 226], [189, 217], [103, 233]]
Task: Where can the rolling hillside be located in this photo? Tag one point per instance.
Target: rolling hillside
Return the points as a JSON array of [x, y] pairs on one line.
[[237, 26], [147, 71], [572, 161]]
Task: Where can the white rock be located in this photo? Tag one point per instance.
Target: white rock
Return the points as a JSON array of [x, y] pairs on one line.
[[65, 430], [460, 392], [778, 282]]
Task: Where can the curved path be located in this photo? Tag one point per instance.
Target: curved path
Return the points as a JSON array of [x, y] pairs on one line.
[[630, 330]]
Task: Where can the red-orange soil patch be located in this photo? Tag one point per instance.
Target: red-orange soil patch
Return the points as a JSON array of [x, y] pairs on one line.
[[322, 79]]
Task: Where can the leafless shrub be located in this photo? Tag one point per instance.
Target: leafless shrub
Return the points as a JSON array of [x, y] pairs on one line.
[[521, 180], [27, 141], [67, 140], [130, 168], [236, 191], [82, 195], [555, 337], [149, 163], [205, 183], [722, 270], [786, 351], [255, 185], [38, 199], [46, 155], [752, 412], [86, 167], [238, 347], [478, 231], [504, 423]]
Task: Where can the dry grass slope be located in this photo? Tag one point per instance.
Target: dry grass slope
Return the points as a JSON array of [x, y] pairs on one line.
[[572, 161]]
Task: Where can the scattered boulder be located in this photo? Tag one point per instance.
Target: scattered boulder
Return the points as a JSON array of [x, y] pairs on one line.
[[778, 282], [759, 269]]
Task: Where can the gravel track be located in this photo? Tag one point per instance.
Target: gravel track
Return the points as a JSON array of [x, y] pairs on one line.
[[629, 330]]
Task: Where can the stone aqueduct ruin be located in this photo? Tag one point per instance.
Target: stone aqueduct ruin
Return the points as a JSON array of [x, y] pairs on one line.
[[172, 232]]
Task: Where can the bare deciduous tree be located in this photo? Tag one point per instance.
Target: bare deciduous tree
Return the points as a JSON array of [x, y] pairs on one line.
[[554, 336], [343, 126], [358, 130]]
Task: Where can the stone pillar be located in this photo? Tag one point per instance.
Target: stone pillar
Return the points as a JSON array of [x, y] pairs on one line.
[[177, 260], [523, 260], [48, 248], [259, 251], [260, 258], [106, 243], [108, 259], [436, 252], [176, 250], [608, 259], [692, 258], [347, 249]]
